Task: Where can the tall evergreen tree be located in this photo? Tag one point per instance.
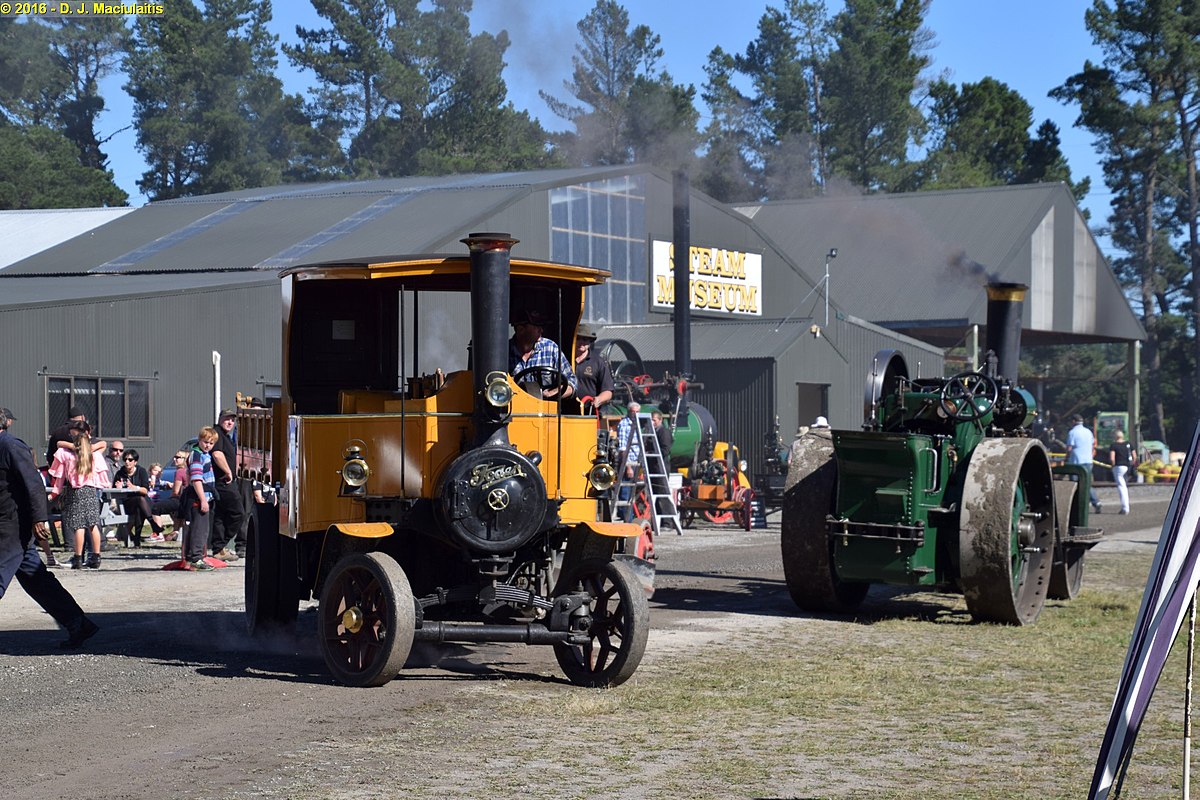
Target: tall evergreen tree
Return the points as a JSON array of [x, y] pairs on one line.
[[41, 169], [39, 101], [88, 49], [616, 83], [725, 171], [409, 89], [211, 115], [1125, 102], [869, 115], [32, 84]]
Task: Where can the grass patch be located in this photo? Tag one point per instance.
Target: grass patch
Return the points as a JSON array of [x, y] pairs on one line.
[[887, 707]]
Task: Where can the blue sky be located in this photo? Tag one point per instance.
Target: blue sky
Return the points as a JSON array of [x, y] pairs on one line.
[[1031, 45]]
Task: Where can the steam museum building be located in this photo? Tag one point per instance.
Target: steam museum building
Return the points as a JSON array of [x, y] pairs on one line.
[[153, 320]]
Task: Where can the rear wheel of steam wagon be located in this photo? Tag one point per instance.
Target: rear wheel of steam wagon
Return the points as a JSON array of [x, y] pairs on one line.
[[1006, 531], [1066, 576], [619, 626], [807, 550], [270, 582], [366, 619]]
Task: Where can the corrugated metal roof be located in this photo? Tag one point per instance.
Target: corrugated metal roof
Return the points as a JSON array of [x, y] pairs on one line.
[[272, 228], [732, 340], [907, 240], [897, 253], [20, 291], [25, 232]]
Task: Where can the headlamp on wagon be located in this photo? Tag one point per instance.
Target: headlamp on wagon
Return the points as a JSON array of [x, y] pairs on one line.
[[497, 390], [355, 470], [602, 476]]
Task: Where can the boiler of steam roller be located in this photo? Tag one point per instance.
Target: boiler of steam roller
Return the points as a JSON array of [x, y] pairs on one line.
[[944, 487]]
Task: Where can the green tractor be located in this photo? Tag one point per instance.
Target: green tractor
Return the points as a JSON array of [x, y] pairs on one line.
[[944, 487]]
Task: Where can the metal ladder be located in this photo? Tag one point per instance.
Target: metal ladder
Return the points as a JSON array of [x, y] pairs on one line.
[[653, 476]]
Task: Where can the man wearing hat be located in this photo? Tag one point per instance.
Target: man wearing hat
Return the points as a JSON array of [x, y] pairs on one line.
[[594, 374], [529, 351], [23, 514], [229, 519], [1081, 446]]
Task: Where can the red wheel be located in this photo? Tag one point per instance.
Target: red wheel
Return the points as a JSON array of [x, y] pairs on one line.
[[641, 505], [745, 514], [645, 542], [718, 517]]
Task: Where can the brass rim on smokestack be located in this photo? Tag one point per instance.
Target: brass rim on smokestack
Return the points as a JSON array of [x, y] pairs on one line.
[[1007, 292]]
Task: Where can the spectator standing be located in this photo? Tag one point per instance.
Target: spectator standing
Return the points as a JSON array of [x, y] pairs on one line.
[[64, 434], [629, 454], [229, 520], [198, 498], [133, 476], [23, 515], [662, 432], [594, 376], [1122, 458], [78, 473], [1081, 449]]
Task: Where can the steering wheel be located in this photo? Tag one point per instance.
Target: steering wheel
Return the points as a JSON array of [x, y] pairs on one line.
[[968, 396], [536, 379]]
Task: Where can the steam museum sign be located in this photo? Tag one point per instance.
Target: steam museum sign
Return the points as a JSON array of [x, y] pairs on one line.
[[724, 281]]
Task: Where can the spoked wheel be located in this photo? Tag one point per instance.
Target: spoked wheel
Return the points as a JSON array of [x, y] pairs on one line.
[[687, 516], [718, 517], [1006, 531], [619, 627], [270, 580], [1066, 576], [641, 505], [367, 619], [744, 514], [807, 550]]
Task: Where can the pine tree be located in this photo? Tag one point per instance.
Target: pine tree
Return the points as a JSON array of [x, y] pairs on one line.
[[869, 118]]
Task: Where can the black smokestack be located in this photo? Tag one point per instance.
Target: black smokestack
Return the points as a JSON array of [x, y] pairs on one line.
[[683, 283], [1005, 303], [489, 325]]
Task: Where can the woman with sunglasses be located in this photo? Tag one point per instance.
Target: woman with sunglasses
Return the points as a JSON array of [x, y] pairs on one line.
[[172, 504], [137, 506]]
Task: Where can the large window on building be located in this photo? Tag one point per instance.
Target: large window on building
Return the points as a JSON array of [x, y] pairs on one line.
[[116, 407], [603, 224]]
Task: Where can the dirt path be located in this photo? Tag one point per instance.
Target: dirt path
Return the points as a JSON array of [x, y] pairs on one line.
[[171, 699]]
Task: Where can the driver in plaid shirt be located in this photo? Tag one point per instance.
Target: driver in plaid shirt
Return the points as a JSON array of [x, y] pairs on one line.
[[527, 351]]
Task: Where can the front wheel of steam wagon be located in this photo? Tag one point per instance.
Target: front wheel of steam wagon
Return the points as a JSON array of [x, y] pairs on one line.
[[1066, 576], [807, 550], [366, 619], [1006, 531], [619, 626]]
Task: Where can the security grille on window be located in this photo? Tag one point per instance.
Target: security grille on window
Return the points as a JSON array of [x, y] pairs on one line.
[[116, 407]]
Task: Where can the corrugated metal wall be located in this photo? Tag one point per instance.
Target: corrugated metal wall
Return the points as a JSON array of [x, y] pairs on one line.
[[741, 397], [168, 339]]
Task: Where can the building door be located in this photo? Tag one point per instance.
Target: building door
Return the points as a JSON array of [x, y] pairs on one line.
[[812, 401]]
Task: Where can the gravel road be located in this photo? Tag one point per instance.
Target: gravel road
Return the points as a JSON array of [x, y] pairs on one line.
[[171, 699]]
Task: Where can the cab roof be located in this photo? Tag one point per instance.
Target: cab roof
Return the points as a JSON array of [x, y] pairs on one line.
[[441, 267]]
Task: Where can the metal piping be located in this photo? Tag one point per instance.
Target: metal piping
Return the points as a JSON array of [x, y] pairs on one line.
[[1006, 301], [490, 294]]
